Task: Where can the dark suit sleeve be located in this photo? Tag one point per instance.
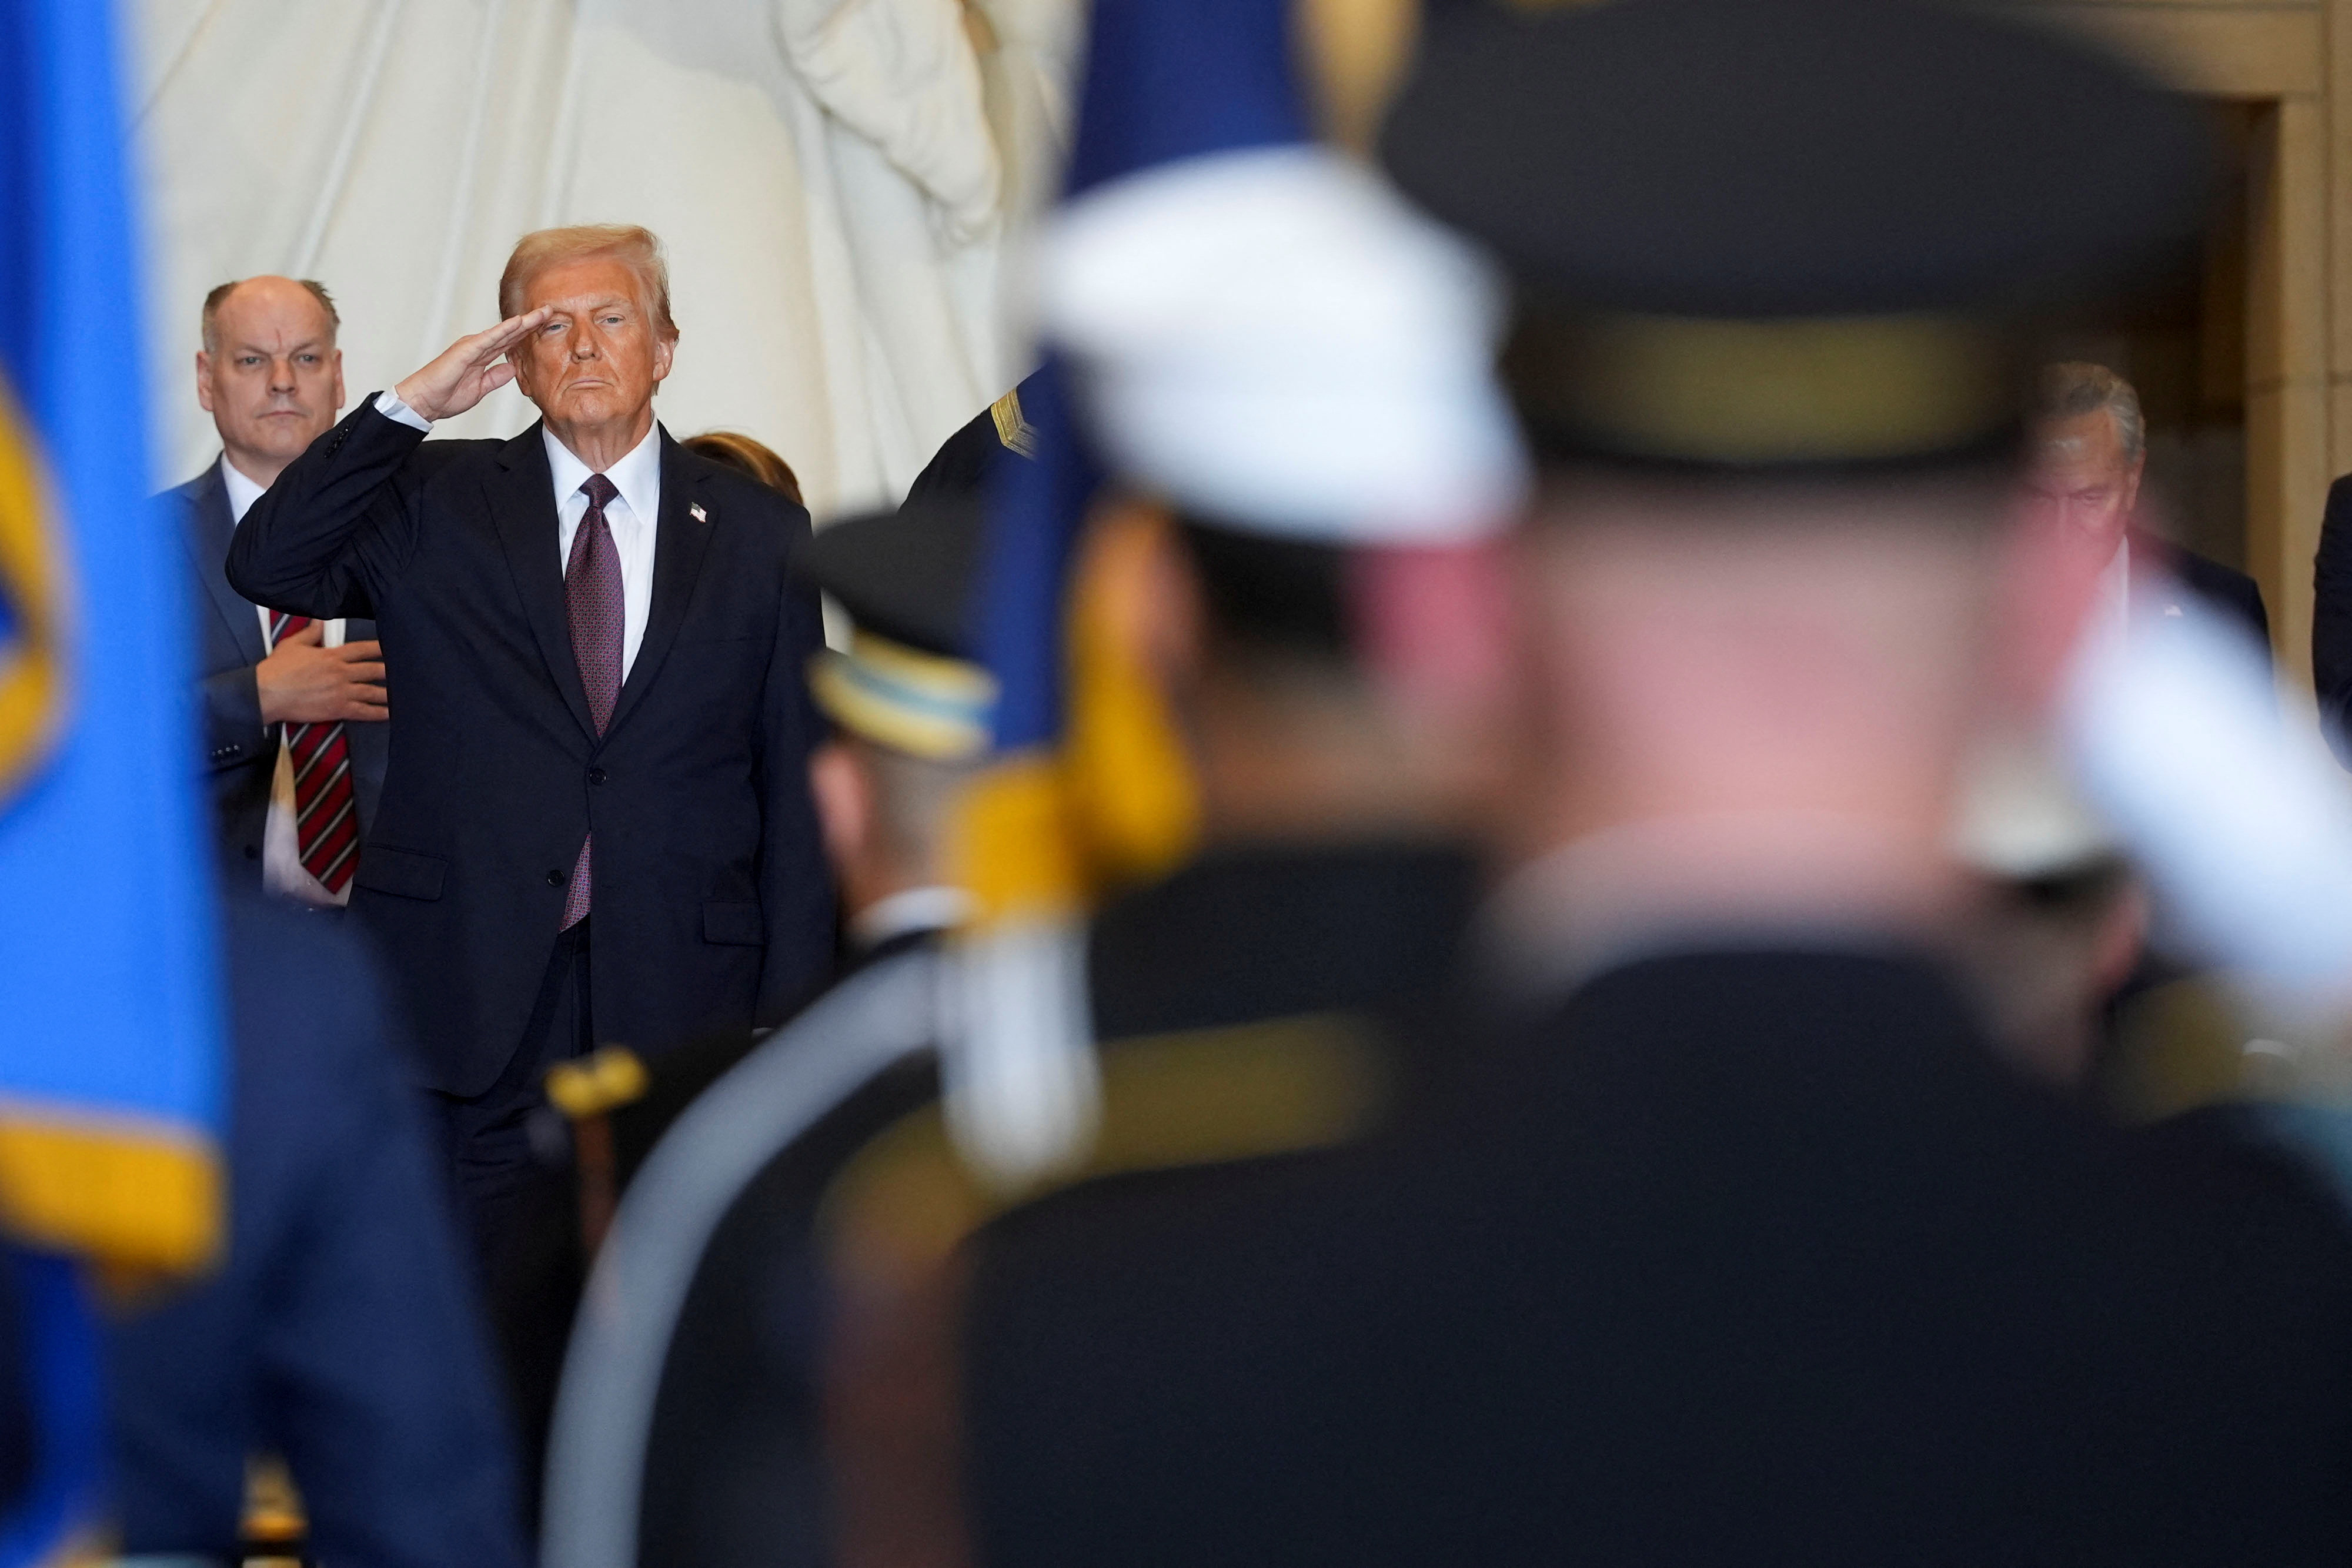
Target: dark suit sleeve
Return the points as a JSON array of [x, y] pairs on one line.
[[338, 525], [234, 732], [2331, 620], [796, 896]]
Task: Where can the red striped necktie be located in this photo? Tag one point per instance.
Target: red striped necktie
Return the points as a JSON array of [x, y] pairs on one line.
[[326, 815]]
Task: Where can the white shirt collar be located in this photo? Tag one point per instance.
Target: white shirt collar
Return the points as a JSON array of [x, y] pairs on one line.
[[2114, 587], [242, 492], [638, 476]]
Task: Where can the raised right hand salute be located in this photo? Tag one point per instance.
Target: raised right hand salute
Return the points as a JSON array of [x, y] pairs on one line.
[[469, 370], [603, 727]]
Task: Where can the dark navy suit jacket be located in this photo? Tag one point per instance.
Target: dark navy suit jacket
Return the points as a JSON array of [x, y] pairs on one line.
[[240, 751], [713, 902], [2224, 588], [2331, 620], [341, 1330]]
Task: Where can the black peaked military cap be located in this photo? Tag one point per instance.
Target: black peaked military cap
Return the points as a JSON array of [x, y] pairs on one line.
[[1769, 232], [907, 580]]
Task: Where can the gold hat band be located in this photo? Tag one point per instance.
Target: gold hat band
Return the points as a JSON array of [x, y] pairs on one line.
[[1760, 393], [925, 705]]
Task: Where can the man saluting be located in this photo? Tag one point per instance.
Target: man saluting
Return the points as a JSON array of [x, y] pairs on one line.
[[603, 723]]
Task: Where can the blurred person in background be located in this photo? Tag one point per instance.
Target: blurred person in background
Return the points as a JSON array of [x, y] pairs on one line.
[[293, 709], [2090, 454], [340, 1331], [598, 825], [1749, 1244], [735, 450]]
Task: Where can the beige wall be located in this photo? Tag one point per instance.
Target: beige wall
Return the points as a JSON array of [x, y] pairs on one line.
[[2291, 60]]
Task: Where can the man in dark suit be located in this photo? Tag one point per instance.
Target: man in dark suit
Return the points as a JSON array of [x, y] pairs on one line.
[[2089, 453], [604, 721], [909, 714], [293, 712], [2331, 621], [339, 1331]]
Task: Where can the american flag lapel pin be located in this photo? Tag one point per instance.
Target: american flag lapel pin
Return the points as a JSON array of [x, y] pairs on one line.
[[698, 513]]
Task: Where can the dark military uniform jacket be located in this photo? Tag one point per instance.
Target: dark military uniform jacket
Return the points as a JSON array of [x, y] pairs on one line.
[[1735, 1257], [1249, 1007]]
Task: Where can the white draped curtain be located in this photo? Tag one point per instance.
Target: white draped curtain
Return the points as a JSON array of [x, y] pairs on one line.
[[839, 183]]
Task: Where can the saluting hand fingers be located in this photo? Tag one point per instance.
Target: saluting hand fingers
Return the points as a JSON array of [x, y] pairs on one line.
[[512, 330]]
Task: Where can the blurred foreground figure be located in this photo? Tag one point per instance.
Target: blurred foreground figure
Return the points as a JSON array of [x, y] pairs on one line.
[[2059, 919], [340, 1331], [1753, 1247]]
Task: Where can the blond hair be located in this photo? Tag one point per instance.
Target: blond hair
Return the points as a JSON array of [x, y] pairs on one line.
[[633, 247]]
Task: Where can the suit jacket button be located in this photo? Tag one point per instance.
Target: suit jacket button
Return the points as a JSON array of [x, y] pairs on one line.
[[556, 879], [596, 776]]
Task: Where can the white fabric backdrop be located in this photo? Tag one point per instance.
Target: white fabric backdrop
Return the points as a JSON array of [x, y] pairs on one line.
[[839, 183]]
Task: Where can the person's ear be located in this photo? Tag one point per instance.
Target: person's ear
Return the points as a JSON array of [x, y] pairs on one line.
[[1433, 623], [1167, 620], [665, 350], [340, 398], [842, 789], [520, 356], [204, 381], [1434, 630], [2121, 938]]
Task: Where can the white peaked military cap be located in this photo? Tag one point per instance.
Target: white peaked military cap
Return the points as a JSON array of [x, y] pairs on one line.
[[1273, 341]]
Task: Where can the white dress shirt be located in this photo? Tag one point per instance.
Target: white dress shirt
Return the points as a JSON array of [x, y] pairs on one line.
[[2115, 592], [281, 851], [633, 517]]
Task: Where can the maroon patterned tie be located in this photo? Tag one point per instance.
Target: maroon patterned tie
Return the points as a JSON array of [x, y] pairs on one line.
[[326, 818], [591, 597]]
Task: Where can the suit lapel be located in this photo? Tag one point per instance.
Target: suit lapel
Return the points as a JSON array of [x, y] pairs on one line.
[[680, 539], [208, 532], [520, 494]]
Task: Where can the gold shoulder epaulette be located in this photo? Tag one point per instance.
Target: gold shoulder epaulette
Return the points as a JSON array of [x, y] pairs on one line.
[[1016, 434], [598, 1083]]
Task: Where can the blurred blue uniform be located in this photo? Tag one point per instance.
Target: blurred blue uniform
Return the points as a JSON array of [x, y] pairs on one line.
[[340, 1331]]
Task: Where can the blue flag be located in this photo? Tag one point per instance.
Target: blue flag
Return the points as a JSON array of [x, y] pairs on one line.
[[1085, 780], [110, 1057]]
